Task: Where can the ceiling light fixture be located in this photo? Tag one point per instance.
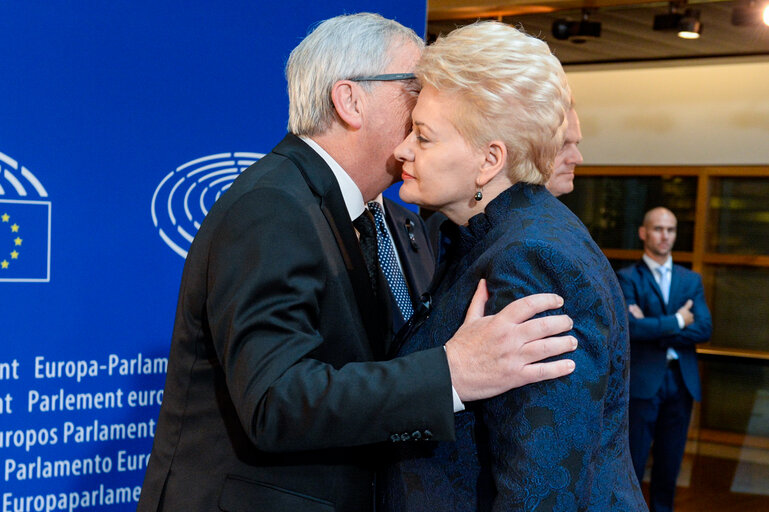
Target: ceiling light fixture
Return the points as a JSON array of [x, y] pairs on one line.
[[577, 32], [690, 27], [686, 22]]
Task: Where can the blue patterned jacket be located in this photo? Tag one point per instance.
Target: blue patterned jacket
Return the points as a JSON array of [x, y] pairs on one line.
[[560, 445]]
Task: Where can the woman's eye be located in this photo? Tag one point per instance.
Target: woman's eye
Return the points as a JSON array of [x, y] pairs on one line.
[[421, 139]]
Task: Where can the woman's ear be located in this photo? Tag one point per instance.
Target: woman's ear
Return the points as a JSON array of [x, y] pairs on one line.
[[494, 162], [347, 99]]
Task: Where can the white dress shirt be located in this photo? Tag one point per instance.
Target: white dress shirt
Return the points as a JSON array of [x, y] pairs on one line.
[[653, 266]]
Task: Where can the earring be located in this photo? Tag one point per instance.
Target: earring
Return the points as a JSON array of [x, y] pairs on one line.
[[478, 195]]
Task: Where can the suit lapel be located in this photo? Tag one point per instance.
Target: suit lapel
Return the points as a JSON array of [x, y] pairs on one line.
[[648, 278], [321, 181]]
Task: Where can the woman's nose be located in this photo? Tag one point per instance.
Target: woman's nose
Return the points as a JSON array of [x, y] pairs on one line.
[[403, 151]]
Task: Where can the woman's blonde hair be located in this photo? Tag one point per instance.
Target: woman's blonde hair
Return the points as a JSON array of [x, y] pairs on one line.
[[510, 87]]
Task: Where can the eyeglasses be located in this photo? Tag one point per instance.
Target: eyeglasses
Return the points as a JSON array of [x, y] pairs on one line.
[[388, 77]]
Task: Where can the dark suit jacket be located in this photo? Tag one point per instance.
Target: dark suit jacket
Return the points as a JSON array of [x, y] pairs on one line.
[[416, 255], [271, 391], [555, 445], [651, 336]]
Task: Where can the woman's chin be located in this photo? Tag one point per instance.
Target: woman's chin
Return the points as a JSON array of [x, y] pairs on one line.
[[407, 195]]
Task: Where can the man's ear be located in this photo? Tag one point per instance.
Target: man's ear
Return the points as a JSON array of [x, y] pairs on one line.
[[642, 233], [494, 162], [348, 102]]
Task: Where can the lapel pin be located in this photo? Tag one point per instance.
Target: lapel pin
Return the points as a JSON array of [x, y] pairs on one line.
[[410, 232]]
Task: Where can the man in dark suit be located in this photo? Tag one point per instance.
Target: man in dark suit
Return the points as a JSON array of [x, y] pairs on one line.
[[273, 390], [668, 317]]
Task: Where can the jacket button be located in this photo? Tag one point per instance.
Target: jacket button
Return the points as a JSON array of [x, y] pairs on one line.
[[427, 435], [405, 436], [395, 438], [416, 435]]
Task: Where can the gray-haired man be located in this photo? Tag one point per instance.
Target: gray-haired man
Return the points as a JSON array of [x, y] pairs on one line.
[[273, 388]]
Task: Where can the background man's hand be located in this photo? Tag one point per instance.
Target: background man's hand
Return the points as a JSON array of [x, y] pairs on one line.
[[489, 355], [635, 311], [686, 313]]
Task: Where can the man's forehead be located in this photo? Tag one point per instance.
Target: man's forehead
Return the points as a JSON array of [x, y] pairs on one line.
[[404, 56], [662, 220], [573, 133]]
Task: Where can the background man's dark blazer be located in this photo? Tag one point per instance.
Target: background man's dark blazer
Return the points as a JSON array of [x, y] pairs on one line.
[[651, 336], [661, 412], [270, 390], [554, 445]]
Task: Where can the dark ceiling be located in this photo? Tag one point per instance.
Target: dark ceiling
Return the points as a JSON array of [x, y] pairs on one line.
[[627, 35]]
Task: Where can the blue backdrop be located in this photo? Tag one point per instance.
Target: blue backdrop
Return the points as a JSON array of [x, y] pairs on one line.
[[120, 124]]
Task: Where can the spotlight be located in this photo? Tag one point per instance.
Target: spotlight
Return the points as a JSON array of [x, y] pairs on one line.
[[690, 27], [687, 25], [577, 32]]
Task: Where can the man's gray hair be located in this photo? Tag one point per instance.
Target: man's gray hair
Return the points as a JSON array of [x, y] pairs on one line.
[[349, 46]]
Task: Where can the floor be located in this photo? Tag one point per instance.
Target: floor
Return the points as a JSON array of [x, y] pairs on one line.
[[716, 483]]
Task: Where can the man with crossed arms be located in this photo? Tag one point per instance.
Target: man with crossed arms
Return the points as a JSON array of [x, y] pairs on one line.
[[668, 317]]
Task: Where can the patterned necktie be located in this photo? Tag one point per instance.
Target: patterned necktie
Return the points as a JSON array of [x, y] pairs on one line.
[[664, 273], [368, 246], [389, 263]]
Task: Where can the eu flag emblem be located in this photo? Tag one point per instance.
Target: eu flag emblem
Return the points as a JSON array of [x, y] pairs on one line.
[[25, 241]]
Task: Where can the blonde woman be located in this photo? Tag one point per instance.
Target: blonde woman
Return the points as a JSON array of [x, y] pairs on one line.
[[486, 129]]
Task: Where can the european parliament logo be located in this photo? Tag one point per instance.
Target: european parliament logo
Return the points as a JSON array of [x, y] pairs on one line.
[[184, 197], [25, 225]]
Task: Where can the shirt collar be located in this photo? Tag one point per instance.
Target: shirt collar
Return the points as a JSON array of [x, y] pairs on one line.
[[353, 199], [653, 265], [379, 199]]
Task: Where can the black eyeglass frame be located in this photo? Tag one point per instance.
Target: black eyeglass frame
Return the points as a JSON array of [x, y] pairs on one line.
[[387, 77]]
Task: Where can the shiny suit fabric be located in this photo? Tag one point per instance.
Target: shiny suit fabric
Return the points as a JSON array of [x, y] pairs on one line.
[[273, 383], [560, 445]]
